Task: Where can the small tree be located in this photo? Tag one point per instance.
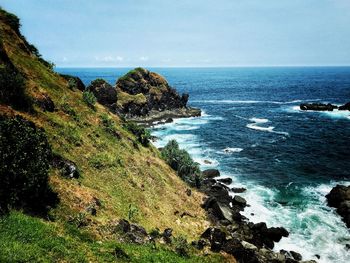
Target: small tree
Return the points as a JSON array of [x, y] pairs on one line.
[[181, 161]]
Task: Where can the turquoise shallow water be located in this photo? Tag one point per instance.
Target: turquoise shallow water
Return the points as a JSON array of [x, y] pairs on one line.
[[253, 131]]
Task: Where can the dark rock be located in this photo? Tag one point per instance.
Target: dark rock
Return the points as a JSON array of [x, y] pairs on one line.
[[317, 107], [169, 120], [238, 190], [221, 211], [104, 92], [200, 244], [120, 254], [318, 256], [347, 246], [225, 180], [216, 237], [240, 201], [241, 254], [123, 226], [220, 192], [67, 167], [167, 234], [296, 255], [276, 233], [45, 103], [345, 107], [79, 84], [211, 173], [188, 192], [339, 197]]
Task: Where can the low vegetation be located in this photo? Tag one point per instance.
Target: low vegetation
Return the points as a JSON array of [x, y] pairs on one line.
[[24, 164], [89, 98], [143, 135], [181, 161]]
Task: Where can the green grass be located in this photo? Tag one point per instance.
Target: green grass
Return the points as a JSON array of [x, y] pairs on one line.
[[27, 239]]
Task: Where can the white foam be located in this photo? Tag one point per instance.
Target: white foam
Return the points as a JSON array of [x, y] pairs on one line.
[[314, 227], [257, 121], [232, 150]]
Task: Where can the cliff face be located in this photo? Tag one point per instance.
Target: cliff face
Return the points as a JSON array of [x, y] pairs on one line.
[[119, 176], [143, 96]]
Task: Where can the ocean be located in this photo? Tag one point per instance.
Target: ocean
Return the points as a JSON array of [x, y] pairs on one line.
[[252, 130]]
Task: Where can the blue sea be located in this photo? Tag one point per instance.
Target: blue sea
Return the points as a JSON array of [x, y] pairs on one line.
[[253, 131]]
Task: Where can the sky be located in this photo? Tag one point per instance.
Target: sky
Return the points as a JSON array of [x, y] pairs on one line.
[[187, 33]]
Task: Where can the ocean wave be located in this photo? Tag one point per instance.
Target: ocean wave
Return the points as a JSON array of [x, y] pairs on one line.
[[257, 121]]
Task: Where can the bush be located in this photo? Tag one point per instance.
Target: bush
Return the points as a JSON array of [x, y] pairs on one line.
[[24, 162], [89, 99], [181, 161], [72, 84], [143, 135], [12, 90]]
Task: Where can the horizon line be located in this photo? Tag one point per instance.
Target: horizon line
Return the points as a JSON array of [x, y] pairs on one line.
[[242, 66]]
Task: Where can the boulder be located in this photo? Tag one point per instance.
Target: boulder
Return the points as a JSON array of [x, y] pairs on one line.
[[317, 107], [276, 233], [104, 92], [211, 173], [220, 192], [216, 237], [45, 103], [79, 84], [67, 167], [238, 190], [167, 234], [225, 180], [240, 201], [339, 197]]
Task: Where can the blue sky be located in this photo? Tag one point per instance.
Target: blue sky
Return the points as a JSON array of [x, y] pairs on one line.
[[123, 33]]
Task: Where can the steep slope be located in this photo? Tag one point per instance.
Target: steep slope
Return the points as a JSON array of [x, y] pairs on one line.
[[117, 173]]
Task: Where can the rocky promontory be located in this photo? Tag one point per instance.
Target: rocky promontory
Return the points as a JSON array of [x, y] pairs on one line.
[[143, 96], [339, 197]]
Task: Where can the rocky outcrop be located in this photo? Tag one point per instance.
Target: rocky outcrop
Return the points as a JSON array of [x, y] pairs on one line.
[[317, 107], [146, 96], [323, 107], [345, 107], [339, 197]]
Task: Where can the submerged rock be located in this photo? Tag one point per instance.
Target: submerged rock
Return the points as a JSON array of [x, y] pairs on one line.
[[225, 180], [345, 107]]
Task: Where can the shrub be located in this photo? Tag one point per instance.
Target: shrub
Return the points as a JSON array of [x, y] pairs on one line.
[[24, 162], [143, 135], [89, 99], [108, 124], [181, 246], [181, 161], [132, 212], [12, 90], [72, 84]]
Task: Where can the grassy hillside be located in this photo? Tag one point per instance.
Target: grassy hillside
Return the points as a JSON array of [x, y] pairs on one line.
[[115, 169]]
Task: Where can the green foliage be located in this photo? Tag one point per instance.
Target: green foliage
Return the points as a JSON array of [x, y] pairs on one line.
[[12, 90], [181, 161], [132, 213], [24, 163], [12, 20], [102, 160], [181, 246], [108, 124], [89, 98], [143, 135], [97, 82], [72, 84]]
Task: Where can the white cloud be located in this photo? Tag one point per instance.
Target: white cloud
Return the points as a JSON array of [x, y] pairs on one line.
[[109, 59], [143, 58]]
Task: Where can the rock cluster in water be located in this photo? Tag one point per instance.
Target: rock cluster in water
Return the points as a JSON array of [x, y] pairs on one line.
[[323, 107], [232, 232], [339, 197], [143, 96]]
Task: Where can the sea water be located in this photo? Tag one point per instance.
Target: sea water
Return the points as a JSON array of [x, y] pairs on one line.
[[252, 130]]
